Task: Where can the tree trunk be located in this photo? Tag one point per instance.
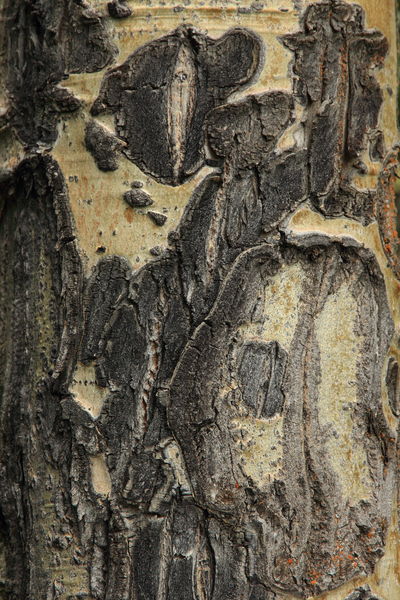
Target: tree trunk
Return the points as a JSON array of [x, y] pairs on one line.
[[199, 301]]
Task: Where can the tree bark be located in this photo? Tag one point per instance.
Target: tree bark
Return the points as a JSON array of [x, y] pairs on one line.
[[199, 301]]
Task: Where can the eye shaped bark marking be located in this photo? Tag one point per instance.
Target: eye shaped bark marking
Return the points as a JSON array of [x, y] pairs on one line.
[[162, 93]]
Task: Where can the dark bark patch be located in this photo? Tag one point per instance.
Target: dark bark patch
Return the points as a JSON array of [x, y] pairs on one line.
[[40, 305], [147, 559], [261, 367], [142, 476], [368, 50], [350, 202], [158, 218], [137, 198], [190, 575], [124, 349], [118, 9], [244, 210], [332, 76], [283, 186], [191, 243], [242, 132], [162, 93], [392, 385], [377, 148], [46, 42], [103, 146], [230, 578], [106, 288]]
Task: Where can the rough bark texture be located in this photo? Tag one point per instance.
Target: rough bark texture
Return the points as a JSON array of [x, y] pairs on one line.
[[245, 444]]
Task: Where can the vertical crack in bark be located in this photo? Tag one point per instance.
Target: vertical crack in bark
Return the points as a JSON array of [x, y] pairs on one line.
[[180, 107]]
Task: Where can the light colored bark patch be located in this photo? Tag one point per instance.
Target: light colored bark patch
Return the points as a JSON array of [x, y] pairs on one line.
[[259, 445], [172, 455], [281, 308], [259, 441], [87, 393], [100, 476], [105, 224], [340, 347]]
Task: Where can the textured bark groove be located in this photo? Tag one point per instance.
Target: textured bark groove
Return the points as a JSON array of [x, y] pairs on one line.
[[221, 423]]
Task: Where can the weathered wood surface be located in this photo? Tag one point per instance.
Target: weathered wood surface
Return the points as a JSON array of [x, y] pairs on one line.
[[200, 302]]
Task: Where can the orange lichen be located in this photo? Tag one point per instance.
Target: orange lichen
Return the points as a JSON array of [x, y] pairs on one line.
[[128, 213]]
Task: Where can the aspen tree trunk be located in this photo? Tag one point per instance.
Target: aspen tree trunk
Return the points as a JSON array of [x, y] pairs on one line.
[[199, 301]]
